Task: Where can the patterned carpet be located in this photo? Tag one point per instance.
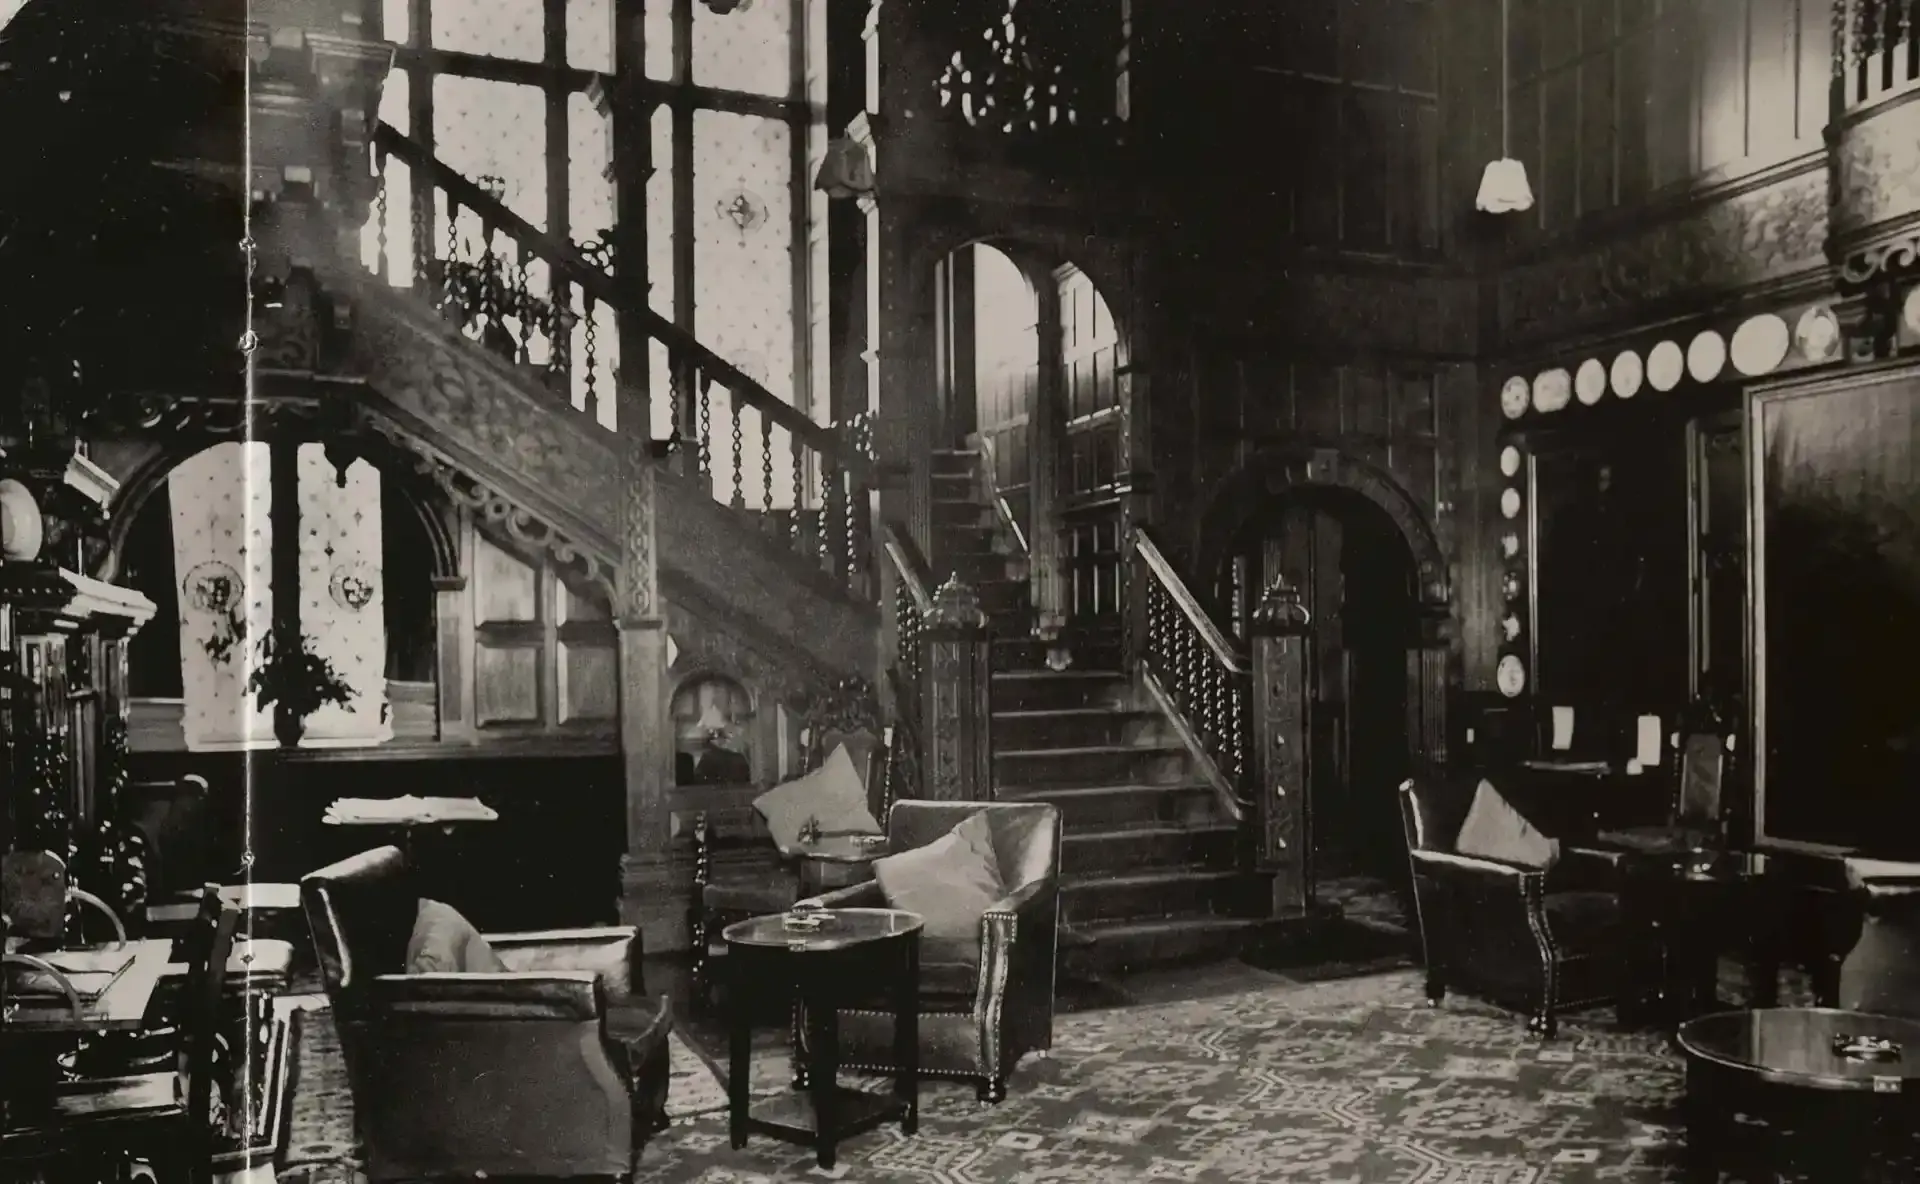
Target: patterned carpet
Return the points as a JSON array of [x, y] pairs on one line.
[[1347, 1082]]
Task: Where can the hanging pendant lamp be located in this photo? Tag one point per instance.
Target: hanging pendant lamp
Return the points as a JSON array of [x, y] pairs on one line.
[[1503, 185]]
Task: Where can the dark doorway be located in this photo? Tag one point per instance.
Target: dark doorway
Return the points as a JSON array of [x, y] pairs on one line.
[[1356, 574]]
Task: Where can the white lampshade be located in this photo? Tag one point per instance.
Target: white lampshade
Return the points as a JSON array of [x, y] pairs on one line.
[[1504, 188], [845, 171]]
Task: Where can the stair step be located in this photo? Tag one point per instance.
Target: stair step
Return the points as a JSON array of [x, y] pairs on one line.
[[1156, 845], [1156, 762], [1110, 807], [1160, 893], [1016, 690], [1023, 649], [1105, 947], [1075, 727]]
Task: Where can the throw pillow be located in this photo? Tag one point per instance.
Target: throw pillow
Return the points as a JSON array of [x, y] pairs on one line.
[[1495, 830], [832, 794], [445, 942], [950, 882]]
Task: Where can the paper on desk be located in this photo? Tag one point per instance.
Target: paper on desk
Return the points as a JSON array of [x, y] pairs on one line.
[[1646, 742], [409, 809], [1562, 729]]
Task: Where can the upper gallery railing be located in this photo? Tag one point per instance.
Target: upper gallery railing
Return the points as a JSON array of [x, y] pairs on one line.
[[541, 302], [1876, 51]]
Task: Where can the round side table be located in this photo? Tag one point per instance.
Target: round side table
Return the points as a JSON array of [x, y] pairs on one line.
[[815, 967]]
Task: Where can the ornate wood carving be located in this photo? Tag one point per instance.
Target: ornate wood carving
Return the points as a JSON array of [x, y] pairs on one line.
[[639, 563], [959, 740], [1767, 231], [1875, 220], [1281, 657]]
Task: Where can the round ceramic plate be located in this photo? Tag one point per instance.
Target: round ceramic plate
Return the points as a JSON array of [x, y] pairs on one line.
[[1511, 676], [1514, 396], [1665, 365], [1706, 356], [1760, 344], [1510, 503], [1817, 335], [1510, 627], [1590, 382], [1509, 544], [1627, 374], [1552, 390], [1509, 461]]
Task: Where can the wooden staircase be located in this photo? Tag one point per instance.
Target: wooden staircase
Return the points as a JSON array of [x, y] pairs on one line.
[[1151, 870]]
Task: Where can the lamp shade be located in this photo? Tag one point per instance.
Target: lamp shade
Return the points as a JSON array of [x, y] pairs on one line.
[[1504, 188], [845, 171]]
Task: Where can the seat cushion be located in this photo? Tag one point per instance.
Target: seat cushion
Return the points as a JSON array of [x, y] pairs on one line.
[[1495, 830], [833, 796], [445, 942], [951, 882], [1581, 919]]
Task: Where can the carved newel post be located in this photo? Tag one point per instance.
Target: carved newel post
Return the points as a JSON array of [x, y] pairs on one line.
[[1282, 840], [645, 740], [957, 665]]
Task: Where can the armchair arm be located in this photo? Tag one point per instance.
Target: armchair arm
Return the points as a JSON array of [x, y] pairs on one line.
[[613, 952], [570, 995], [1588, 869], [1019, 943], [867, 895], [1449, 865]]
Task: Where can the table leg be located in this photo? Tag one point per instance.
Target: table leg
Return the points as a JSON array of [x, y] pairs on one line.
[[1702, 1121], [823, 1070], [739, 1044], [906, 1036]]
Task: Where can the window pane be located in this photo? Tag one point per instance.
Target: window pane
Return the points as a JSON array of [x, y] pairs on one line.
[[342, 599], [395, 26], [589, 191], [743, 246], [748, 49], [223, 558], [496, 28], [590, 35], [495, 130]]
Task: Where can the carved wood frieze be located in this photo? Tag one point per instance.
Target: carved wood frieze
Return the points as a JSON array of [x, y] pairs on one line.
[[1427, 312], [1769, 232], [1876, 191]]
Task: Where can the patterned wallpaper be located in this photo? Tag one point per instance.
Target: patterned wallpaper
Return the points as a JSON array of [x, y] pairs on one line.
[[223, 559], [342, 595]]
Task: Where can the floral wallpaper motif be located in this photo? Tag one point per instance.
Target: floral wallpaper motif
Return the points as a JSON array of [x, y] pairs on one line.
[[222, 553], [342, 596]]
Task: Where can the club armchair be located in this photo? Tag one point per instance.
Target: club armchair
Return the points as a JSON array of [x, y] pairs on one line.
[[988, 1001], [556, 1068], [1544, 941]]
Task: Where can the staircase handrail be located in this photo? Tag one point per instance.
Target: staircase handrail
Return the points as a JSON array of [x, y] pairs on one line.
[[1224, 651], [909, 565], [594, 280], [990, 477]]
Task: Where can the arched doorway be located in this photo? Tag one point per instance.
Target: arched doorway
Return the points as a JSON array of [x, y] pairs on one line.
[[1358, 576]]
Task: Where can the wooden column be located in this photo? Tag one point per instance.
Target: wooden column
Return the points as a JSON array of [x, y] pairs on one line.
[[646, 741], [1282, 841], [283, 515], [1046, 445], [452, 644], [957, 679], [1427, 709]]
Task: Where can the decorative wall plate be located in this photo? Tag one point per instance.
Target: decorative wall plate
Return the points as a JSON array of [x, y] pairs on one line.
[[1509, 461], [1706, 356], [1552, 390], [1590, 382], [1511, 676], [1665, 365], [1760, 344], [1510, 503], [352, 585], [1626, 374], [1509, 545], [1513, 397], [1510, 627], [1510, 586], [22, 527], [1817, 335]]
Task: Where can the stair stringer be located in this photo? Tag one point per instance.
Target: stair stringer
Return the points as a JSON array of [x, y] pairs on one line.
[[549, 478]]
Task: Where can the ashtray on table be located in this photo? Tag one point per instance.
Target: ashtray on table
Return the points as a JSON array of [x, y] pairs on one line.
[[804, 921]]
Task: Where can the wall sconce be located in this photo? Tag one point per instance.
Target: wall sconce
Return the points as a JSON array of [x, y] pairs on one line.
[[1503, 186], [846, 170]]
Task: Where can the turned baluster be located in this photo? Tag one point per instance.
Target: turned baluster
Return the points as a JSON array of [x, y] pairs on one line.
[[739, 499], [766, 475]]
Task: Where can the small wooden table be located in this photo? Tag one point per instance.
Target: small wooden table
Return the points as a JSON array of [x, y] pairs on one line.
[[1831, 1090], [816, 969], [33, 1034]]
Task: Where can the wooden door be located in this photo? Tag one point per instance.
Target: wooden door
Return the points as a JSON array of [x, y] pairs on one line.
[[1097, 467]]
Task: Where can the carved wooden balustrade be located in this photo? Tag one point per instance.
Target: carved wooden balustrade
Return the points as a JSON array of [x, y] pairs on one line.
[[912, 602], [1243, 713], [1029, 68], [1188, 663], [541, 303], [1873, 136]]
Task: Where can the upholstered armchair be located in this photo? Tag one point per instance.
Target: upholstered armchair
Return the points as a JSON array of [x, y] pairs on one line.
[[557, 1067], [1694, 821], [1881, 972], [987, 1001], [1542, 940]]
